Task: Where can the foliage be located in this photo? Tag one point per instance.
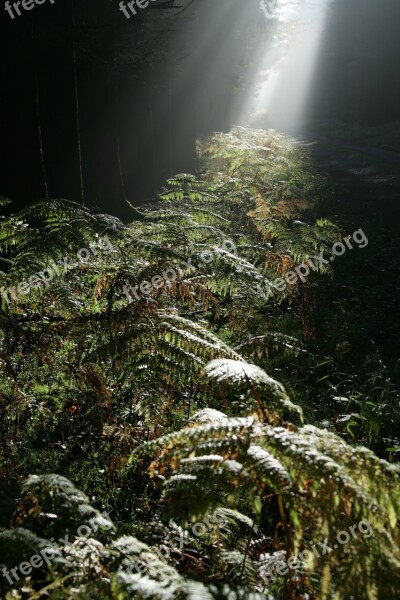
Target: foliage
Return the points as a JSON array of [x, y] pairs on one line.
[[83, 567], [155, 399], [323, 484]]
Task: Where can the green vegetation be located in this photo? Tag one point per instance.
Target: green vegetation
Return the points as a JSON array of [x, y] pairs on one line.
[[168, 405]]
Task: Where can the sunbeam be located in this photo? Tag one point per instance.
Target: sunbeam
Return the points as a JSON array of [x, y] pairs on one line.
[[283, 77]]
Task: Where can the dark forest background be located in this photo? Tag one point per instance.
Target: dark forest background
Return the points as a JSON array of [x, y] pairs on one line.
[[145, 88]]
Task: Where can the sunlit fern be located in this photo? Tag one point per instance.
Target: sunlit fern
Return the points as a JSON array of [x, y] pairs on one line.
[[325, 486]]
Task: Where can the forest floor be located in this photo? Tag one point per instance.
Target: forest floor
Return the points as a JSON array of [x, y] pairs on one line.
[[366, 285]]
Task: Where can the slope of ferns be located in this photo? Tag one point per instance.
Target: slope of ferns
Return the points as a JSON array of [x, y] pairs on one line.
[[149, 401]]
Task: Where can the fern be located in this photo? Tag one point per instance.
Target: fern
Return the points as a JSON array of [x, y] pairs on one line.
[[323, 483], [52, 505]]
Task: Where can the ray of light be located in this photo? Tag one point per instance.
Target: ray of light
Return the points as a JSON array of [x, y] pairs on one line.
[[284, 74]]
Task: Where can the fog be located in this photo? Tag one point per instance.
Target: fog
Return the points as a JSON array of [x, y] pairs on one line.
[[145, 89]]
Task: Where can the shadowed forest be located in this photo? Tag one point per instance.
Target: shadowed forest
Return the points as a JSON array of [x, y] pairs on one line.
[[199, 294]]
